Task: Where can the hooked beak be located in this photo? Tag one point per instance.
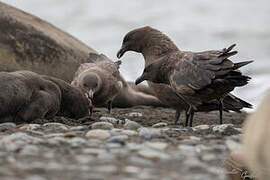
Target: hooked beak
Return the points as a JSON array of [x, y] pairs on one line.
[[121, 52], [139, 80]]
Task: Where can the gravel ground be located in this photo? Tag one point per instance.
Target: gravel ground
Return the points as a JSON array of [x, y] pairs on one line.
[[133, 143]]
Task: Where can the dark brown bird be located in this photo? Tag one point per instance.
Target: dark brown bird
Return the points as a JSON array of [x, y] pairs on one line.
[[184, 80], [101, 80]]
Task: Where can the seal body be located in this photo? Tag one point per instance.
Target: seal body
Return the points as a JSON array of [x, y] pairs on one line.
[[26, 96]]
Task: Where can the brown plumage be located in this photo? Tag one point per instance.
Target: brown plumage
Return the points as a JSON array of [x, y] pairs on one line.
[[100, 80], [184, 80]]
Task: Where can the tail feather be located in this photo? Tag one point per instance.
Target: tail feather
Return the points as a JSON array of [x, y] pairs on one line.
[[241, 64], [234, 103]]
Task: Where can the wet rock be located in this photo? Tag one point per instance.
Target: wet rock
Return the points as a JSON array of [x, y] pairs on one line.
[[35, 177], [22, 138], [139, 161], [105, 168], [70, 134], [78, 128], [153, 154], [94, 151], [77, 141], [134, 146], [157, 145], [55, 126], [52, 135], [30, 127], [201, 128], [208, 157], [83, 159], [132, 169], [102, 125], [98, 133], [135, 114], [160, 125], [225, 129], [149, 133], [129, 132], [121, 139], [131, 125], [110, 120], [187, 149], [29, 150]]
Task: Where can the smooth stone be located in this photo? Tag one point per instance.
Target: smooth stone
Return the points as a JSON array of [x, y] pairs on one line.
[[52, 135], [113, 145], [139, 161], [29, 150], [218, 148], [129, 132], [94, 143], [70, 134], [98, 133], [160, 125], [37, 133], [209, 157], [93, 151], [110, 120], [30, 127], [157, 145], [187, 149], [121, 139], [105, 168], [152, 154], [102, 125], [116, 131], [204, 127], [8, 125], [225, 129], [55, 126], [22, 137], [134, 146], [131, 125], [77, 141], [83, 159], [149, 133], [59, 139], [9, 146], [135, 114], [78, 128], [194, 138], [132, 169], [35, 177]]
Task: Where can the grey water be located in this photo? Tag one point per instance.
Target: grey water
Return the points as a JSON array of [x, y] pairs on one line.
[[195, 25]]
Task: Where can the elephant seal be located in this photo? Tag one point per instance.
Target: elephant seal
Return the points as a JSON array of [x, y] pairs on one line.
[[25, 96], [74, 104], [29, 43]]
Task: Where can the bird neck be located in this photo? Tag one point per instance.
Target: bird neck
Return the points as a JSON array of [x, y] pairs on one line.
[[154, 52]]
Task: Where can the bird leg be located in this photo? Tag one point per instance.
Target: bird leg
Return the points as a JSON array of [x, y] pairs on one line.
[[109, 106], [191, 118], [187, 116], [221, 110], [177, 115]]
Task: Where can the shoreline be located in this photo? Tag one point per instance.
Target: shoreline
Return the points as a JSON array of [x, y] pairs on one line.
[[130, 143]]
